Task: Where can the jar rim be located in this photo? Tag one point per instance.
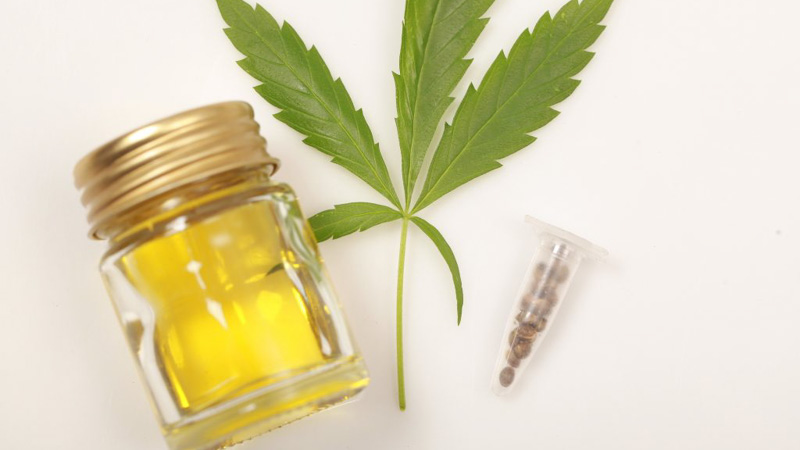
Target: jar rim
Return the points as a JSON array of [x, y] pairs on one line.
[[166, 154]]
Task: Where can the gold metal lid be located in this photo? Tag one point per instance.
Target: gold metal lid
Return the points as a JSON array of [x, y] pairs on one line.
[[167, 154]]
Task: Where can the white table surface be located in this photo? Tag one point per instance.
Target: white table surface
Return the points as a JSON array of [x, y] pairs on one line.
[[679, 153]]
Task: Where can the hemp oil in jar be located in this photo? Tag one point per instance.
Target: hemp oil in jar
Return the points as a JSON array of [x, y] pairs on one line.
[[216, 279]]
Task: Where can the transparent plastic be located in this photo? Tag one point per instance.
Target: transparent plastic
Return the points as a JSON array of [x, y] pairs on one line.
[[229, 312], [546, 282]]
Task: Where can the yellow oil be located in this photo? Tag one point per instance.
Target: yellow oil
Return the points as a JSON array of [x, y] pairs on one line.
[[231, 313]]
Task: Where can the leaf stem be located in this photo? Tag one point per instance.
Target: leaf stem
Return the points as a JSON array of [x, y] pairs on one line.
[[401, 386]]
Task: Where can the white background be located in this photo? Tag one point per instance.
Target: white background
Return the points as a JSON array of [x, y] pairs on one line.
[[679, 153]]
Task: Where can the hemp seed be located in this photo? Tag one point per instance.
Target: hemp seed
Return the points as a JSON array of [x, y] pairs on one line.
[[507, 376]]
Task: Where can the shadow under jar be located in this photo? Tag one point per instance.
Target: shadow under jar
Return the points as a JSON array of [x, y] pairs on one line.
[[216, 279]]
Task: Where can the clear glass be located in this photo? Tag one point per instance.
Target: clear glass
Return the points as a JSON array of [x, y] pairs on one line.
[[230, 313], [547, 279]]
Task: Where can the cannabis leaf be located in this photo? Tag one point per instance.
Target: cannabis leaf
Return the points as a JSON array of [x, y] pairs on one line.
[[437, 34], [514, 98], [349, 218], [449, 257], [296, 80]]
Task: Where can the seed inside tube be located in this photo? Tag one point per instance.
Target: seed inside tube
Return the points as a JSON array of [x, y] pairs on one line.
[[542, 307], [527, 317], [528, 302], [522, 349], [526, 331], [512, 359], [506, 376]]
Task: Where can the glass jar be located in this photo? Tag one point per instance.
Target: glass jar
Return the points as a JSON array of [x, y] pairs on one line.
[[216, 279]]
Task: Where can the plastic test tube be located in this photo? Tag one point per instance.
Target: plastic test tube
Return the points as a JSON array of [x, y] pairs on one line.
[[546, 282]]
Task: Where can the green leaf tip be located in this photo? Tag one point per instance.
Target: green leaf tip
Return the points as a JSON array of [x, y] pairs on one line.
[[436, 36], [449, 258], [514, 98], [296, 80], [350, 217]]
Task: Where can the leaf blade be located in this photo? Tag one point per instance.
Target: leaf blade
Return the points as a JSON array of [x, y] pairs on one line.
[[514, 98], [449, 258], [348, 218], [296, 80], [436, 36]]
